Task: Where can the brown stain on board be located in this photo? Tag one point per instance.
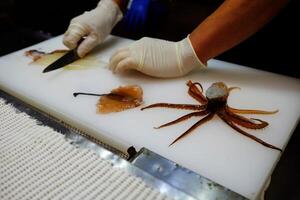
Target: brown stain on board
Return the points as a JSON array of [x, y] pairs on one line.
[[40, 58]]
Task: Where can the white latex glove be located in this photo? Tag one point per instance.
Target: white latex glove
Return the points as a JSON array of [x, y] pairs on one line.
[[158, 58], [95, 25]]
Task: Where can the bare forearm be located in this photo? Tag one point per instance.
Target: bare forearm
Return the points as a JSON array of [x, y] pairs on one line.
[[122, 4], [231, 23]]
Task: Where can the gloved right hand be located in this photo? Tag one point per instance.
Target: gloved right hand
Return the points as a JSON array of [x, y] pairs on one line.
[[95, 25]]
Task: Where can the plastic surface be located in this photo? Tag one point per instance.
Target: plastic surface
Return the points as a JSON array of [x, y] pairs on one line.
[[213, 150]]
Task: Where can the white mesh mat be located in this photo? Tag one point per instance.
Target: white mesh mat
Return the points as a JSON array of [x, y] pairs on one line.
[[37, 162]]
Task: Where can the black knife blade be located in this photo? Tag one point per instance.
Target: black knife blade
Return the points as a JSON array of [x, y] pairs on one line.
[[66, 59]]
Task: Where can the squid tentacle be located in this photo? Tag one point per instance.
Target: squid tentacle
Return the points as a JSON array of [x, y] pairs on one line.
[[232, 125], [185, 117], [197, 83], [200, 122], [190, 84], [195, 93], [245, 122], [248, 111], [233, 88], [178, 106]]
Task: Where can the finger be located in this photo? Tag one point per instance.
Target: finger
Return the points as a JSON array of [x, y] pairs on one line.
[[124, 65], [87, 45], [117, 57], [119, 50], [74, 33]]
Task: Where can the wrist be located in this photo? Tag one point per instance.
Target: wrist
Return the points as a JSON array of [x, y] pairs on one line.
[[189, 54], [122, 4], [113, 7], [201, 55]]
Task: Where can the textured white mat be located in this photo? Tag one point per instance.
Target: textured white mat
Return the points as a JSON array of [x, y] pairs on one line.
[[38, 163]]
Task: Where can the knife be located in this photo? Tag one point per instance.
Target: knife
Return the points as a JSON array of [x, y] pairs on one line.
[[66, 59]]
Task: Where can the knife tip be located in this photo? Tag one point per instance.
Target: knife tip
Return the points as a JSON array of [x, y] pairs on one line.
[[45, 70]]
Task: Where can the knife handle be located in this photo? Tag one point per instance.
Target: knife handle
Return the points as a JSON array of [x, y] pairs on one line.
[[76, 48], [79, 42]]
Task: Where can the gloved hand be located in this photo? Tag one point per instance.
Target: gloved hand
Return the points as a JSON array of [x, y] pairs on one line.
[[158, 58], [95, 25]]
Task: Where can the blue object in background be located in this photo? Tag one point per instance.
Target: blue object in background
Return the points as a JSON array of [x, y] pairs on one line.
[[143, 16], [136, 16]]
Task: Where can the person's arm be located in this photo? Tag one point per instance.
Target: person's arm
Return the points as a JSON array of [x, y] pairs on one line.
[[122, 4], [230, 24]]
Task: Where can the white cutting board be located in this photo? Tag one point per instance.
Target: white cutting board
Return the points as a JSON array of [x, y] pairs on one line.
[[213, 150]]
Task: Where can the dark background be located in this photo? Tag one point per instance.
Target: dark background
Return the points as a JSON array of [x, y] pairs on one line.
[[274, 48]]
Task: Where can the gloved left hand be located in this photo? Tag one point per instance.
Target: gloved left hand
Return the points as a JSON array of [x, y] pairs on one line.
[[157, 58]]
